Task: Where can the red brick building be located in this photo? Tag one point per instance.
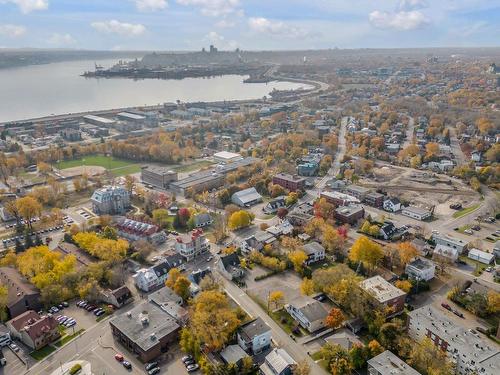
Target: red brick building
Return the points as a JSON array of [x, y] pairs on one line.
[[289, 182]]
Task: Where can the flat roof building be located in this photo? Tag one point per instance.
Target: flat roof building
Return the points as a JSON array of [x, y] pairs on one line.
[[131, 117], [289, 182], [464, 347], [160, 177], [388, 363], [98, 120], [226, 157], [384, 293], [198, 182]]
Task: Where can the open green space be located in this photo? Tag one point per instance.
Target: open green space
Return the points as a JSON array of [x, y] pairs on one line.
[[68, 338], [466, 211], [318, 358], [42, 353], [107, 162]]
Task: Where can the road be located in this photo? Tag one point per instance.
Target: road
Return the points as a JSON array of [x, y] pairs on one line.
[[281, 338], [409, 132], [455, 147]]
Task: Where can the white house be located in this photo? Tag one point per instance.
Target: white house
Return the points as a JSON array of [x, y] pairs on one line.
[[278, 362], [254, 336], [421, 269], [315, 252], [416, 213], [449, 241], [475, 156], [148, 279], [309, 313], [446, 252], [481, 256], [392, 205]]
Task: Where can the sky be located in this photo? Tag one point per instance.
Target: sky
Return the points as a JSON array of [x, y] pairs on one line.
[[248, 24]]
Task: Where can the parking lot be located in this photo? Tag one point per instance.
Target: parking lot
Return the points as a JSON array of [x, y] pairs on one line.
[[14, 365]]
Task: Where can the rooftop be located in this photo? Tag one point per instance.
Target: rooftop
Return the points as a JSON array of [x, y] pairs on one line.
[[387, 363], [145, 325], [17, 285], [313, 248], [253, 328], [348, 210], [421, 264], [227, 155], [289, 177], [380, 289]]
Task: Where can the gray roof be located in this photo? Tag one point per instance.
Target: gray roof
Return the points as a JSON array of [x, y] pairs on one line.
[[387, 363], [145, 325], [202, 218], [233, 354], [247, 195], [313, 310], [253, 328], [164, 295], [278, 360], [313, 248]]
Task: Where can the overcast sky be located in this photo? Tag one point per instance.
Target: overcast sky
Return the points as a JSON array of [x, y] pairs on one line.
[[248, 24]]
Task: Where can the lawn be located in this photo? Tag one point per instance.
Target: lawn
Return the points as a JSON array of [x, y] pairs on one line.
[[124, 171], [466, 211], [318, 358], [479, 267], [68, 338], [107, 162], [463, 228], [43, 352]]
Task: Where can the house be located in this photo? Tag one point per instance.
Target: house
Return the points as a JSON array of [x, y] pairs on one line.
[[383, 294], [255, 336], [315, 252], [197, 275], [374, 199], [203, 220], [233, 354], [481, 256], [278, 362], [496, 249], [22, 295], [148, 279], [229, 266], [387, 230], [257, 241], [133, 230], [168, 301], [301, 214], [422, 246], [110, 200], [420, 269], [33, 330], [349, 214], [146, 330], [289, 182], [246, 198], [274, 205], [345, 338], [309, 313], [387, 363], [282, 229], [449, 241], [416, 213], [466, 349], [335, 184], [475, 156], [356, 191], [192, 244], [445, 252], [117, 297], [392, 205]]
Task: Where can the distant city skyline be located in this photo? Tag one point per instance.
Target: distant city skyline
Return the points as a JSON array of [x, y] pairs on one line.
[[247, 24]]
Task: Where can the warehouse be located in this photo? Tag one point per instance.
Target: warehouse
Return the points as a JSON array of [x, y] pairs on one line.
[[246, 198], [97, 120], [198, 182]]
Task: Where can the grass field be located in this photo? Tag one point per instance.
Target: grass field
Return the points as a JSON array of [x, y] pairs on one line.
[[466, 211], [43, 352], [118, 167], [68, 338]]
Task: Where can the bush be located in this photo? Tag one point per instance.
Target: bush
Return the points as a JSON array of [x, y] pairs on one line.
[[73, 370]]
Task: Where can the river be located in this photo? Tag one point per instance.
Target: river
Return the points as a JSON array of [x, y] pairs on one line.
[[57, 88]]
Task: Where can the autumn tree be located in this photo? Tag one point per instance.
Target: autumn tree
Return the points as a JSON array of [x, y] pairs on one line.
[[4, 294], [493, 302], [404, 285], [431, 150], [161, 217], [366, 251], [428, 359], [102, 248], [375, 348], [240, 219], [302, 368], [276, 298], [298, 258], [28, 208], [337, 359], [335, 318], [307, 286], [323, 209], [213, 321], [406, 252]]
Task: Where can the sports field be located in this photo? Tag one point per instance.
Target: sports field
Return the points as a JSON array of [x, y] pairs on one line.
[[118, 167]]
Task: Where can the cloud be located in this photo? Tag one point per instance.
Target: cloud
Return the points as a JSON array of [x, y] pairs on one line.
[[12, 31], [61, 39], [220, 41], [213, 37], [225, 24], [150, 5], [117, 27], [27, 6], [407, 5], [402, 20], [214, 8], [273, 27]]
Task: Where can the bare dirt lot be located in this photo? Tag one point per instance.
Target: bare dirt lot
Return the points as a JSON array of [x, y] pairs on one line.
[[78, 171]]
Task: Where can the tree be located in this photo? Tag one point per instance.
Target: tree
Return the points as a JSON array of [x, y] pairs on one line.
[[431, 150], [161, 217], [323, 209], [389, 334], [282, 212], [181, 287], [102, 248], [337, 359], [143, 249], [213, 321], [4, 294], [28, 208], [404, 285], [130, 182], [291, 198], [493, 302], [302, 368], [332, 241], [335, 318], [307, 286], [375, 348], [211, 282], [366, 251], [239, 219], [276, 298], [172, 277], [428, 359], [109, 233], [484, 125], [406, 252], [297, 257], [358, 356]]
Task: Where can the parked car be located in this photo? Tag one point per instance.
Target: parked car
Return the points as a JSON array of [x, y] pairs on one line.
[[189, 362], [192, 368], [154, 371], [482, 330], [476, 227], [458, 313], [65, 304], [127, 365], [119, 357], [446, 306], [468, 231], [186, 358], [99, 313], [14, 347], [489, 269], [150, 365]]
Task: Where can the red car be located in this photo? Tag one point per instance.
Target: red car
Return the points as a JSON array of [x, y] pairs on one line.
[[119, 357], [446, 306]]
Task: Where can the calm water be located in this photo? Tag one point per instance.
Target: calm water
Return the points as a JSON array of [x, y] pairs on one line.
[[42, 90]]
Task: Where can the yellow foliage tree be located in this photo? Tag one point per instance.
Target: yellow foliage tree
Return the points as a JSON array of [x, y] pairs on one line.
[[404, 285], [239, 219], [406, 252], [366, 251], [276, 298], [102, 248], [297, 257]]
